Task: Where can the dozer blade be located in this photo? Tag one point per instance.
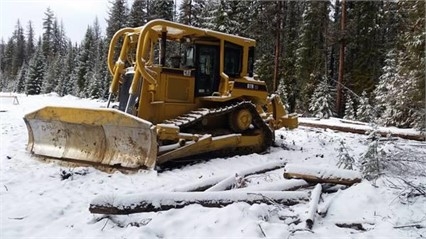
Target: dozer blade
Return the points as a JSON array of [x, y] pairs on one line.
[[96, 136]]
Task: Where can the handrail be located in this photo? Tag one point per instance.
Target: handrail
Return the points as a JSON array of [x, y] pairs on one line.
[[112, 44]]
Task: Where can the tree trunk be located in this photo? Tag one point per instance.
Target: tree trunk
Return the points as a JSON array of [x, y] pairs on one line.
[[153, 202], [277, 48], [339, 98]]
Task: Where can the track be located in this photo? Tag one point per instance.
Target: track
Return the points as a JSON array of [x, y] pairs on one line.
[[195, 122]]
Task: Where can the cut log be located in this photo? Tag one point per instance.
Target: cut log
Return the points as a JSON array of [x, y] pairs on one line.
[[228, 180], [153, 202], [313, 205], [316, 174], [282, 185], [360, 129]]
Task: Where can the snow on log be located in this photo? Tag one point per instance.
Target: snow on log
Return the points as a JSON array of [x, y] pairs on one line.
[[153, 202], [228, 181], [199, 186], [225, 184], [284, 185], [313, 205], [323, 208], [363, 129], [315, 174]]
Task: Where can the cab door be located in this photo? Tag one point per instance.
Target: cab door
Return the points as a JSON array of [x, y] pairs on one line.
[[207, 70]]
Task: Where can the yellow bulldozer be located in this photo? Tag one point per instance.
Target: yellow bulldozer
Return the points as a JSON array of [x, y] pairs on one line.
[[176, 91]]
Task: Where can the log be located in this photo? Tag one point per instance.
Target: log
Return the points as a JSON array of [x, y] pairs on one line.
[[225, 184], [282, 185], [153, 202], [313, 205], [316, 174], [199, 186], [362, 130], [228, 180], [323, 208]]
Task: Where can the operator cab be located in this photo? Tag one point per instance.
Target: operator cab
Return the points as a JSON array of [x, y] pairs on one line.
[[205, 59]]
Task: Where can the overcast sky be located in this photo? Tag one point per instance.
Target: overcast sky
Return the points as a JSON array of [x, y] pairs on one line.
[[76, 15]]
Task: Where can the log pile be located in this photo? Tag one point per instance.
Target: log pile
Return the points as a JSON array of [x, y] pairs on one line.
[[225, 190]]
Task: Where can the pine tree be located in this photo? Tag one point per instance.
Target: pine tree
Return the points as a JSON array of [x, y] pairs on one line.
[[364, 111], [96, 76], [47, 43], [20, 79], [190, 12], [2, 62], [290, 31], [161, 9], [311, 53], [220, 14], [138, 13], [36, 72], [19, 51], [236, 19], [117, 17], [52, 75], [282, 92], [321, 104], [65, 79], [208, 18], [2, 56], [29, 48], [8, 75], [349, 108], [59, 41], [413, 63], [400, 91], [384, 98], [85, 62], [364, 50]]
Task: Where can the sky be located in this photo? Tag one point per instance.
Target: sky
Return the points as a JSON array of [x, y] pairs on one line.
[[76, 15]]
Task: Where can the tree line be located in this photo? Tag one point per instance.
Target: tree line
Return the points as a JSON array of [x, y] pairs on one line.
[[379, 45]]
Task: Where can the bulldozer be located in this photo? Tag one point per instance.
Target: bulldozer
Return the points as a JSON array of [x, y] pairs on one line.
[[177, 91]]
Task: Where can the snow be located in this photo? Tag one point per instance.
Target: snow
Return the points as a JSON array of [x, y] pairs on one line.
[[44, 198]]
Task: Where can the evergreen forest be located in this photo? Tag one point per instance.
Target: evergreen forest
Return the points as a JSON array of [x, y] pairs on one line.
[[358, 60]]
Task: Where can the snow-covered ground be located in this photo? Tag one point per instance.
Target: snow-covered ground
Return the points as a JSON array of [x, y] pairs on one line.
[[36, 200]]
